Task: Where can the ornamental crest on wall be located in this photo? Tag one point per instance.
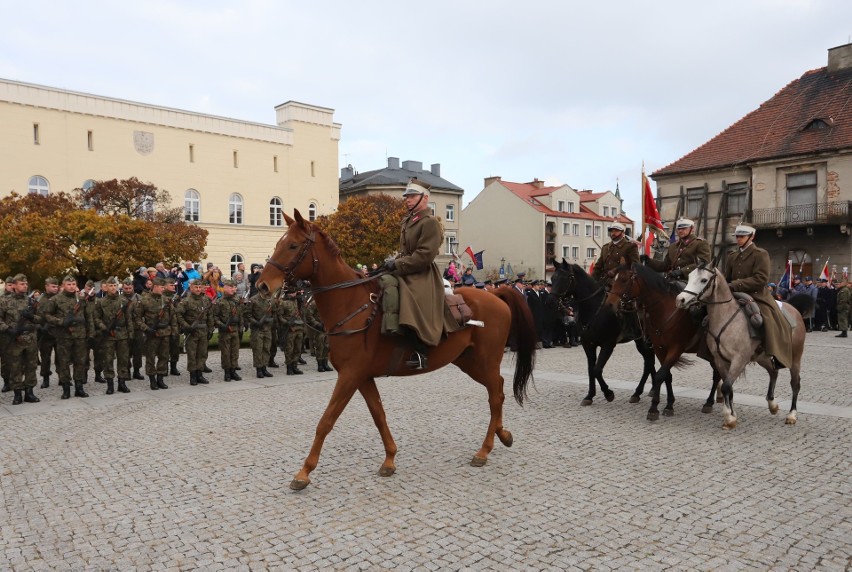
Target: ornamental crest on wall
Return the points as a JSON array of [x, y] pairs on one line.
[[143, 142]]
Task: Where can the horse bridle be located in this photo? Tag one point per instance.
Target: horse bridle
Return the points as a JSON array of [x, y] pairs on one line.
[[290, 269], [710, 282], [572, 282]]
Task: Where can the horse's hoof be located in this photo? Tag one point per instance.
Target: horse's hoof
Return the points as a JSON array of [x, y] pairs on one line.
[[505, 437], [299, 484], [633, 399], [653, 415], [478, 462], [729, 424], [707, 408], [586, 402], [668, 412], [387, 471], [773, 408], [790, 420], [610, 395]]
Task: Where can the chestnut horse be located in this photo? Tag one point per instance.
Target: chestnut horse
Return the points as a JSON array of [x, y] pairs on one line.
[[672, 331], [350, 307]]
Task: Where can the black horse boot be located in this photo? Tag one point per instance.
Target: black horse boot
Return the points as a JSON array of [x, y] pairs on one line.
[[110, 387], [19, 397], [45, 381], [193, 378], [160, 383], [29, 396], [235, 376], [153, 380], [78, 390], [199, 377], [66, 390], [122, 386], [174, 370]]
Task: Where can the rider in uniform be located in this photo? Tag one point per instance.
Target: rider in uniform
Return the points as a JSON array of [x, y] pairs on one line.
[[423, 313], [683, 254], [612, 252], [747, 270]]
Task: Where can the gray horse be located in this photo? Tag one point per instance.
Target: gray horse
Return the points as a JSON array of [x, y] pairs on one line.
[[731, 343]]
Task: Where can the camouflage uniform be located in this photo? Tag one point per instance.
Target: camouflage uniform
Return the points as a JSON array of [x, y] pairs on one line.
[[195, 319], [113, 330], [46, 341], [137, 337], [844, 297], [4, 343], [17, 319], [155, 317], [66, 316], [228, 319], [260, 315], [295, 339], [97, 357], [319, 339], [275, 331], [174, 337]]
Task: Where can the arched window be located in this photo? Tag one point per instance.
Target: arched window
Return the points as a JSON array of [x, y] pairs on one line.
[[312, 211], [39, 185], [235, 209], [235, 261], [191, 206], [276, 217]]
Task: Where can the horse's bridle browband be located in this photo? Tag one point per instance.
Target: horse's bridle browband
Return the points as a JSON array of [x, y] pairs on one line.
[[703, 290], [291, 268]]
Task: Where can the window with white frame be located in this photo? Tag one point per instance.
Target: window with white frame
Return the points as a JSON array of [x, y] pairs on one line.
[[276, 214], [606, 211], [38, 185], [590, 253], [575, 252], [570, 206], [694, 202], [588, 230], [597, 231], [451, 213], [566, 228], [312, 212], [235, 209], [236, 260], [613, 211], [191, 206], [565, 250], [575, 228], [737, 197], [560, 206], [450, 244]]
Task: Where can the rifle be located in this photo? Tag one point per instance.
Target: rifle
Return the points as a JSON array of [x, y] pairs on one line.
[[30, 308], [110, 331], [200, 315], [71, 319]]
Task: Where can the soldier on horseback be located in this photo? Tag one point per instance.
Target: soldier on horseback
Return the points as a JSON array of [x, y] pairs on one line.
[[683, 254], [612, 252]]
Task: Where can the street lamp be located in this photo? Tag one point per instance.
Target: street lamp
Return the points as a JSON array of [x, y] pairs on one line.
[[502, 268]]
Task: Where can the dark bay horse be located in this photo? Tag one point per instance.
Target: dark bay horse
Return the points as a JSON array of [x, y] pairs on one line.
[[360, 353], [672, 331], [599, 326], [730, 341]]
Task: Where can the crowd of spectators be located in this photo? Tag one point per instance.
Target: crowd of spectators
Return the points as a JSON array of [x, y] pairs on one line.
[[211, 275]]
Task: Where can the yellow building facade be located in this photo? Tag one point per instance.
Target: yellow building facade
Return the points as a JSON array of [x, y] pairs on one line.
[[233, 178]]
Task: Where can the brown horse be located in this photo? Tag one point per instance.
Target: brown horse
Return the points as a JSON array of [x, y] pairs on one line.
[[672, 331], [360, 353]]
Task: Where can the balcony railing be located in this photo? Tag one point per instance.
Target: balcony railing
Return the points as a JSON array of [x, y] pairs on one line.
[[837, 212]]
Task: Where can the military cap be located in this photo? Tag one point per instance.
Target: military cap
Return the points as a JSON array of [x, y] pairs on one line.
[[69, 278], [51, 280], [10, 279], [823, 279], [684, 223], [744, 230], [228, 282], [20, 278], [501, 281], [416, 187], [169, 280], [480, 285], [158, 281], [112, 280], [90, 283], [127, 281], [616, 226], [522, 275], [196, 282]]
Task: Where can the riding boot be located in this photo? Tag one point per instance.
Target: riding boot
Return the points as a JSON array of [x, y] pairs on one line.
[[160, 383], [66, 390], [272, 363], [19, 397], [227, 374], [235, 376], [138, 375], [153, 380], [199, 377], [260, 373], [122, 386], [267, 373], [99, 378], [842, 334], [110, 387], [29, 396], [45, 381], [78, 390], [193, 378], [174, 370], [206, 369]]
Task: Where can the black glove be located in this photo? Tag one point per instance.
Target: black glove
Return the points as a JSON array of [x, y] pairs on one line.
[[644, 258], [16, 331], [254, 324], [150, 331], [28, 313], [390, 265], [68, 321], [676, 273]]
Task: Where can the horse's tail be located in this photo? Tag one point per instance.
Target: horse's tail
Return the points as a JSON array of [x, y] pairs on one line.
[[523, 338], [802, 302]]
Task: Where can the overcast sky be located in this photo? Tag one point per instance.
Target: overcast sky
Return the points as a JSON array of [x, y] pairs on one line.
[[570, 92]]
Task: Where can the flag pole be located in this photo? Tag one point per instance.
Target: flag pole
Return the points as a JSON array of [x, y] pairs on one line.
[[644, 226]]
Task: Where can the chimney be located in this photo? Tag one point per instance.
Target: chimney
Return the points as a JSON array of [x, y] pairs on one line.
[[347, 173], [536, 183], [436, 169], [840, 58], [489, 180], [393, 162], [412, 165]]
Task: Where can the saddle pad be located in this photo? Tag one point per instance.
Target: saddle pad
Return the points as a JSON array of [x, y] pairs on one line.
[[458, 308], [791, 318]]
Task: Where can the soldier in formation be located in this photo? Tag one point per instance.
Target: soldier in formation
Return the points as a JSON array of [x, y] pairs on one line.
[[46, 341], [195, 317], [18, 322], [319, 339], [229, 321], [155, 317], [844, 307], [261, 318], [113, 332], [294, 328], [70, 325]]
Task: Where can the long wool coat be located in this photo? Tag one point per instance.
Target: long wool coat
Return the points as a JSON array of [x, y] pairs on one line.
[[610, 258], [748, 271], [422, 306], [683, 255]]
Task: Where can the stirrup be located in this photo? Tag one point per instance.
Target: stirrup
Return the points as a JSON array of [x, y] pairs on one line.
[[417, 361]]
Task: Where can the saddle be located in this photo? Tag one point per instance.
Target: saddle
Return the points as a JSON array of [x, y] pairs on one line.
[[458, 308], [752, 312]]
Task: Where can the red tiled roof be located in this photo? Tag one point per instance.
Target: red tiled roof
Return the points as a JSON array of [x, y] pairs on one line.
[[528, 193], [777, 128]]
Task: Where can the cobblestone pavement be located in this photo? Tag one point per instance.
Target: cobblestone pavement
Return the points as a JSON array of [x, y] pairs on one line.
[[197, 477]]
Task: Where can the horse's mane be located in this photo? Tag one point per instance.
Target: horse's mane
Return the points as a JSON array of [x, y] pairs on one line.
[[655, 280], [333, 249]]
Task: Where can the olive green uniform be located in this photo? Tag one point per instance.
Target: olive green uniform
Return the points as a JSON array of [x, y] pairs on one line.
[[4, 345], [155, 317], [46, 341], [260, 316], [137, 337], [319, 339], [291, 320], [682, 257], [17, 323], [195, 319], [228, 315], [844, 307], [67, 318], [114, 328], [610, 259]]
